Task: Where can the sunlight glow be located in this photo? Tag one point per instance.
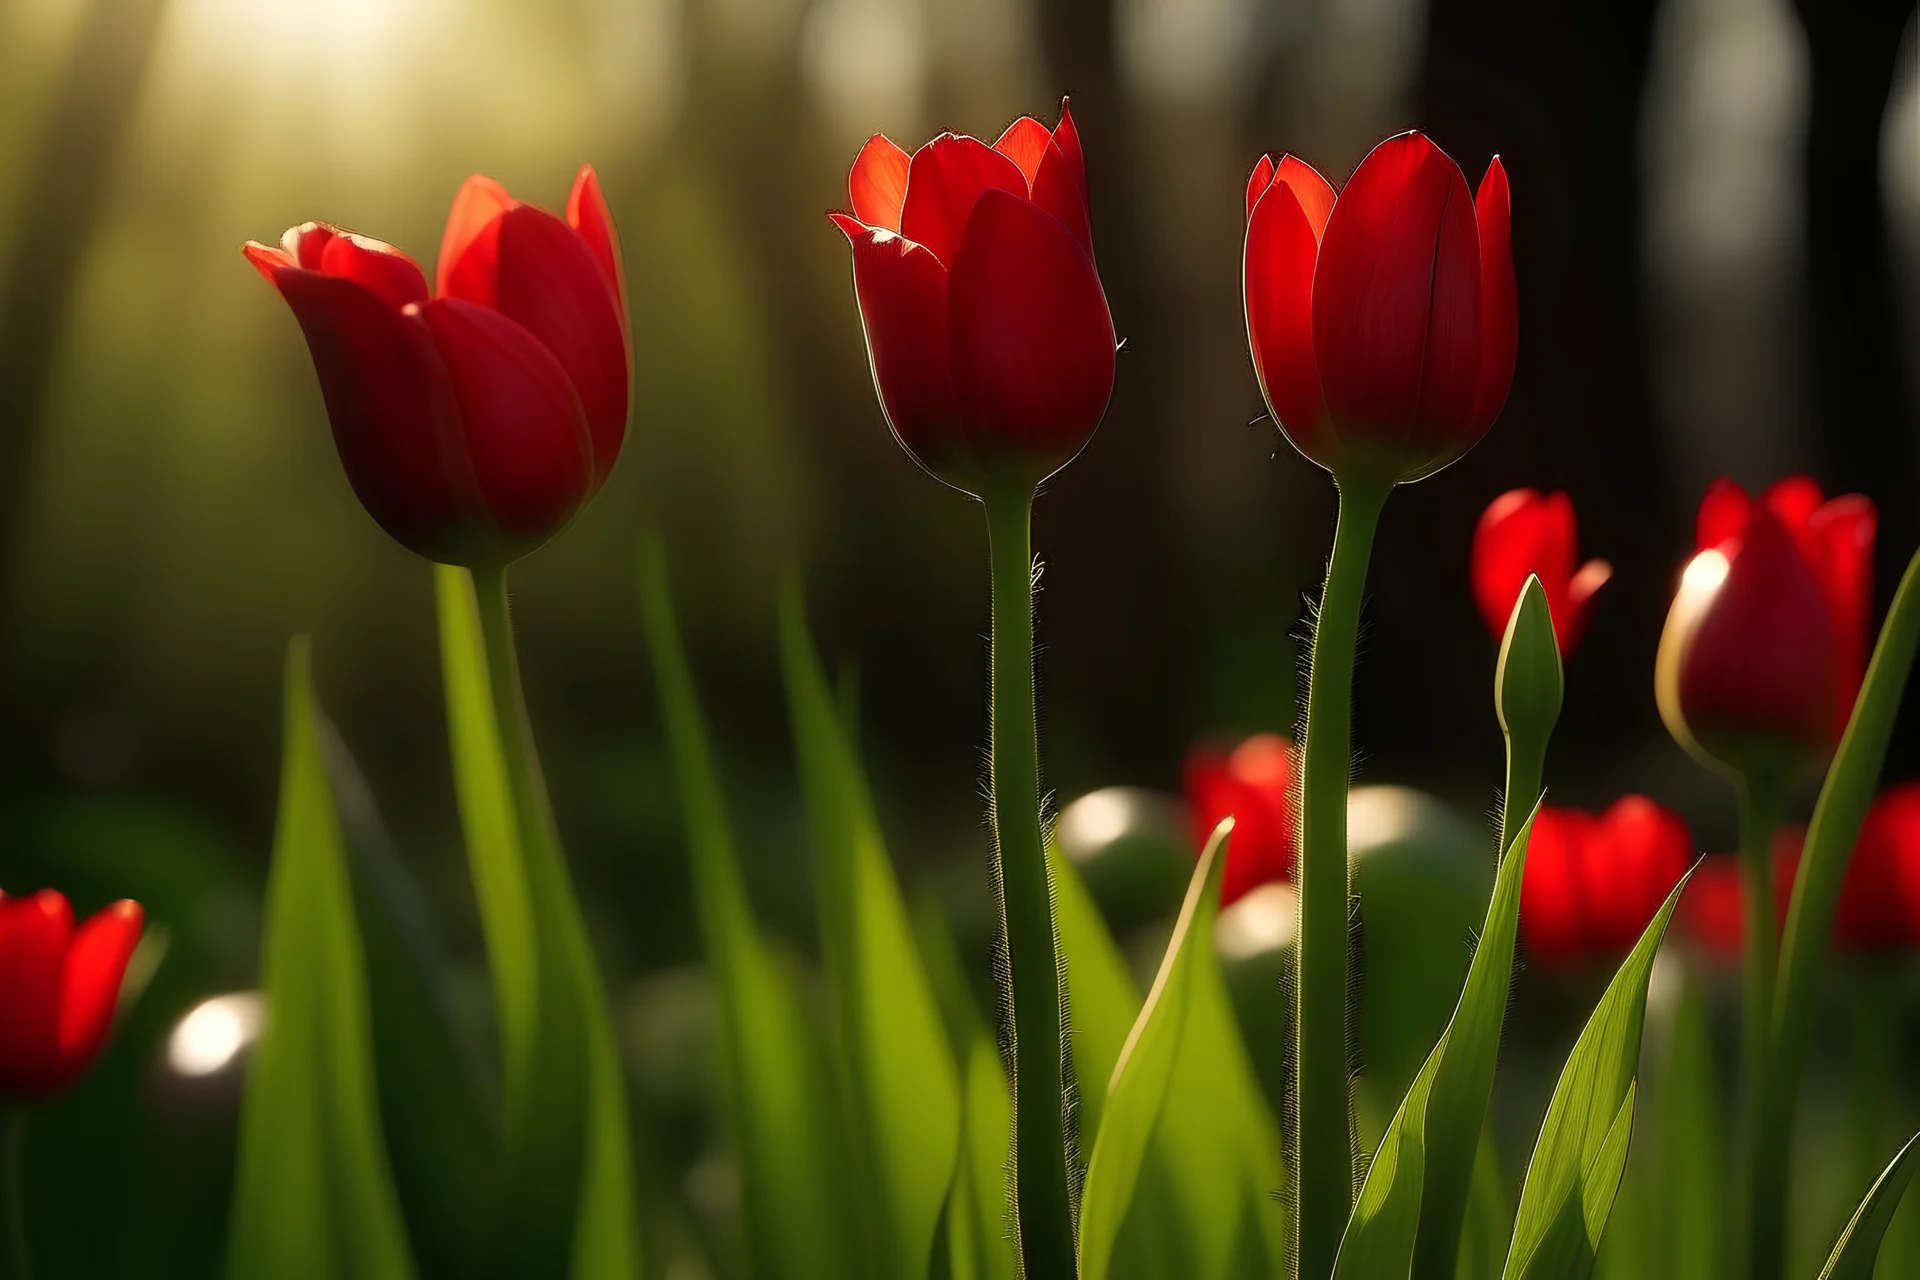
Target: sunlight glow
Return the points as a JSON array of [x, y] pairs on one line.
[[1263, 921], [1096, 820], [214, 1032]]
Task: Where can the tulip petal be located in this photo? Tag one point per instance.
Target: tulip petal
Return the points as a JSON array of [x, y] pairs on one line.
[[395, 422], [1066, 136], [1723, 514], [1030, 337], [944, 180], [902, 291], [1257, 183], [537, 271], [1060, 187], [478, 202], [587, 213], [34, 932], [1841, 533], [1314, 192], [1499, 297], [388, 273], [521, 421], [1552, 911], [1712, 909], [1793, 502], [1396, 306], [1277, 271], [1593, 575], [1025, 142], [1640, 852], [877, 186], [90, 982], [1522, 533]]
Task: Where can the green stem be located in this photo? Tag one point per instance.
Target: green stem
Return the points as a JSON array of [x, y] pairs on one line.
[[13, 1194], [1760, 803], [1526, 767], [1043, 1195], [1873, 999], [543, 1170], [1321, 1110]]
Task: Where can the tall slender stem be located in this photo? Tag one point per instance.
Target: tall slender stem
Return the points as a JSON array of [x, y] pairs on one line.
[[1760, 803], [1526, 766], [13, 1192], [1321, 1103], [1043, 1193]]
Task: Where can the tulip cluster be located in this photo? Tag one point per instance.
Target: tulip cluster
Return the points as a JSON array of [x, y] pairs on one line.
[[1593, 881]]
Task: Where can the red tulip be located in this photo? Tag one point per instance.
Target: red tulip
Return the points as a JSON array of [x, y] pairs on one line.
[[1522, 533], [1879, 904], [1748, 669], [1835, 539], [58, 988], [1250, 785], [1592, 884], [473, 422], [1384, 322], [988, 333]]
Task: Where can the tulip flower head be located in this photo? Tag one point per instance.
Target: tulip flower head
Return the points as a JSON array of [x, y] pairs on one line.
[[1526, 532], [1250, 784], [474, 420], [1765, 645], [1383, 321], [1593, 882], [59, 987], [987, 330]]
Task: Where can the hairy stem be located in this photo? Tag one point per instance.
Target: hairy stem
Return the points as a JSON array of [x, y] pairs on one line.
[[1321, 1102], [1043, 1194]]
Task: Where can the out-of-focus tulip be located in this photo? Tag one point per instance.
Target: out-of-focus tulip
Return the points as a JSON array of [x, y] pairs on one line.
[[473, 421], [1747, 674], [1834, 537], [1250, 785], [58, 988], [1592, 883], [987, 330], [1526, 532], [1383, 322], [1879, 905]]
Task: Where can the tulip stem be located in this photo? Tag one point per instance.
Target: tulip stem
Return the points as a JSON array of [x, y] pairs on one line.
[[13, 1196], [1760, 804], [1322, 1102], [1036, 1004], [1526, 766]]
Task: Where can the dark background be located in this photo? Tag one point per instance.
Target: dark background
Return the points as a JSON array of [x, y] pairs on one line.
[[1717, 234]]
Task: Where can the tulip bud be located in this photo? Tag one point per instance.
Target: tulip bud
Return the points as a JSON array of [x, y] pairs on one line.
[[1528, 685], [987, 330], [473, 423], [1382, 322], [1746, 674], [59, 987]]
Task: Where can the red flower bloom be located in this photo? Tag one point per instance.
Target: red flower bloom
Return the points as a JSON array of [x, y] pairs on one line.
[[1879, 906], [987, 330], [1383, 323], [1835, 539], [1748, 669], [1592, 884], [58, 988], [473, 423], [1524, 532], [1250, 785]]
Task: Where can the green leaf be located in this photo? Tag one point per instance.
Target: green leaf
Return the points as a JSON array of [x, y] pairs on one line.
[[1489, 1225], [781, 1103], [980, 1181], [313, 1197], [1570, 1177], [1145, 1066], [893, 1051], [1858, 1247], [1414, 1200], [567, 1197], [1101, 992], [1690, 1205]]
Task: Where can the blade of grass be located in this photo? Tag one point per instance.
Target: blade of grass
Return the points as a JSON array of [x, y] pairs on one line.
[[893, 1051], [1570, 1158], [1146, 1064], [781, 1105], [313, 1196], [1858, 1247]]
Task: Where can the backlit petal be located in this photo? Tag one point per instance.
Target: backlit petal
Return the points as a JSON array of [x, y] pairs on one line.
[[478, 202], [587, 214], [877, 185], [34, 933], [945, 179], [90, 983], [1314, 192], [1025, 142], [1258, 181], [1277, 280], [1499, 296]]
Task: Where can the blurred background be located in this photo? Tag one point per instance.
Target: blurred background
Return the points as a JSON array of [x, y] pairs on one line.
[[1717, 233]]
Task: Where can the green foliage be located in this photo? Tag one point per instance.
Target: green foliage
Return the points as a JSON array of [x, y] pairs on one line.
[[1145, 1067], [1414, 1200], [781, 1103], [1581, 1151], [1855, 1252], [313, 1198], [899, 1073]]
